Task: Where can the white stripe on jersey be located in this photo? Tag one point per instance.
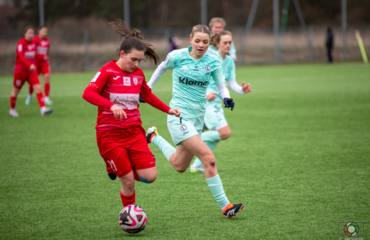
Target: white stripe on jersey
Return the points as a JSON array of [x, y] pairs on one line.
[[125, 100]]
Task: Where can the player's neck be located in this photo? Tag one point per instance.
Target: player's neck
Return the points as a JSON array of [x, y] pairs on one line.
[[42, 37], [223, 55], [193, 55]]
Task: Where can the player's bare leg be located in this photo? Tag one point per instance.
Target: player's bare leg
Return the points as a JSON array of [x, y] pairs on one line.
[[128, 189], [211, 138], [13, 100], [148, 175], [181, 160]]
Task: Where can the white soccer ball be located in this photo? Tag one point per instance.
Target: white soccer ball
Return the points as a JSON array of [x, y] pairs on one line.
[[132, 219]]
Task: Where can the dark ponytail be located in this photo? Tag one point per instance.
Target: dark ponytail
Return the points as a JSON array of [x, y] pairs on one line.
[[133, 40]]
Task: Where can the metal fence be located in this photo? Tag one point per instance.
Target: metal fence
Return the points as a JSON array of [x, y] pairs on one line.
[[90, 49]]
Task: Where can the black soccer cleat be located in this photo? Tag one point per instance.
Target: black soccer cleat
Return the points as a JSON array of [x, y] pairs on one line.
[[232, 211], [112, 176]]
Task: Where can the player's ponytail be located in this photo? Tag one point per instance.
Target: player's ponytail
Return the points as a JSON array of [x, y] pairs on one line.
[[216, 38], [133, 40]]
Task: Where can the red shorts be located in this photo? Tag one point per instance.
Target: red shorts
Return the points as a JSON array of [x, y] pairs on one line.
[[43, 68], [21, 76], [124, 150]]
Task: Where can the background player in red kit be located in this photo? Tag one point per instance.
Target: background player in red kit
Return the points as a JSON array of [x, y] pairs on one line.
[[116, 89], [42, 63], [25, 70]]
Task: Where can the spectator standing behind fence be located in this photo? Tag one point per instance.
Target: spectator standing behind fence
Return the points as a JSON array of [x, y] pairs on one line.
[[329, 44], [174, 43]]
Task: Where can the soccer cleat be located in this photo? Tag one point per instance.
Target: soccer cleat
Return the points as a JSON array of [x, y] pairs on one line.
[[28, 99], [112, 176], [48, 102], [196, 169], [46, 111], [13, 113], [152, 132], [231, 210]]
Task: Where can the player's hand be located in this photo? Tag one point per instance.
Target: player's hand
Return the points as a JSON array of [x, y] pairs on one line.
[[229, 103], [246, 88], [211, 96], [33, 67], [118, 112], [141, 100], [174, 111]]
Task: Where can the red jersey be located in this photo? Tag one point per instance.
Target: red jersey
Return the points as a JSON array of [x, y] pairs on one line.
[[25, 54], [42, 49], [112, 86]]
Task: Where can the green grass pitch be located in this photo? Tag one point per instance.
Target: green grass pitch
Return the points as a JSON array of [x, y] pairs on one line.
[[298, 158]]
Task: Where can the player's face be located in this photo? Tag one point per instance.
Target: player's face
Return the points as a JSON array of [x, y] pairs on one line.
[[30, 33], [200, 43], [217, 27], [130, 61], [43, 32], [225, 43]]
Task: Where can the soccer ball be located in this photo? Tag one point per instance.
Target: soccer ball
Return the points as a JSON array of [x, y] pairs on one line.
[[132, 219]]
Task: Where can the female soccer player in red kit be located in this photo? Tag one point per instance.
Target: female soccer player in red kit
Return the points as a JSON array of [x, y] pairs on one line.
[[42, 63], [116, 89], [25, 70]]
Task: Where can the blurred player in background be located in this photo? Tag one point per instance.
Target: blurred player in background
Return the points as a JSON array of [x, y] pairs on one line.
[[217, 25], [174, 43], [115, 89], [193, 69], [42, 63], [215, 118], [25, 70]]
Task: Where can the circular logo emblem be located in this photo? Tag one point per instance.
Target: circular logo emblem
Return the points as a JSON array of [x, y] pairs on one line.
[[208, 68], [183, 128], [351, 229]]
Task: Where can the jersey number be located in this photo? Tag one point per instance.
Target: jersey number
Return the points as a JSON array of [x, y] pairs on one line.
[[112, 165]]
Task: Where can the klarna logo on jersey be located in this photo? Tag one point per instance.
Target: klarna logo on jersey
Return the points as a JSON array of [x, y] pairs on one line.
[[192, 82]]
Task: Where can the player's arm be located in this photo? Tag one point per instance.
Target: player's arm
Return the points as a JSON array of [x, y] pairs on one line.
[[161, 69], [147, 95], [233, 85], [20, 54], [219, 78], [92, 95]]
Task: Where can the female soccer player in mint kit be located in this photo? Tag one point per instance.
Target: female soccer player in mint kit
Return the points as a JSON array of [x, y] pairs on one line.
[[193, 69], [215, 118], [115, 89]]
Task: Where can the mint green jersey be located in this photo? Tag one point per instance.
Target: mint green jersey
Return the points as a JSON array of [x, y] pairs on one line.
[[232, 49], [191, 78], [228, 66]]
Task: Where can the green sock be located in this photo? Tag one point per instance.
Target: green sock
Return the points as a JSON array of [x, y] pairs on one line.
[[215, 184], [210, 139], [164, 146]]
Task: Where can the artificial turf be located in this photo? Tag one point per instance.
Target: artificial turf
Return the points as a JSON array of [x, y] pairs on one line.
[[298, 158]]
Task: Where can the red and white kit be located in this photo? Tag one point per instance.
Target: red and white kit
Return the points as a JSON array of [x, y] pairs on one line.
[[42, 53], [122, 143], [25, 58]]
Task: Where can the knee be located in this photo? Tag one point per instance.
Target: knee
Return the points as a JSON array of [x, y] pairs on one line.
[[37, 88], [225, 134], [129, 183], [180, 169], [209, 160], [149, 179]]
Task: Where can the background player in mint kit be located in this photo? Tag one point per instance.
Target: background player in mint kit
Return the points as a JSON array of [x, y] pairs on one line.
[[193, 69], [215, 118], [115, 89], [217, 25]]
